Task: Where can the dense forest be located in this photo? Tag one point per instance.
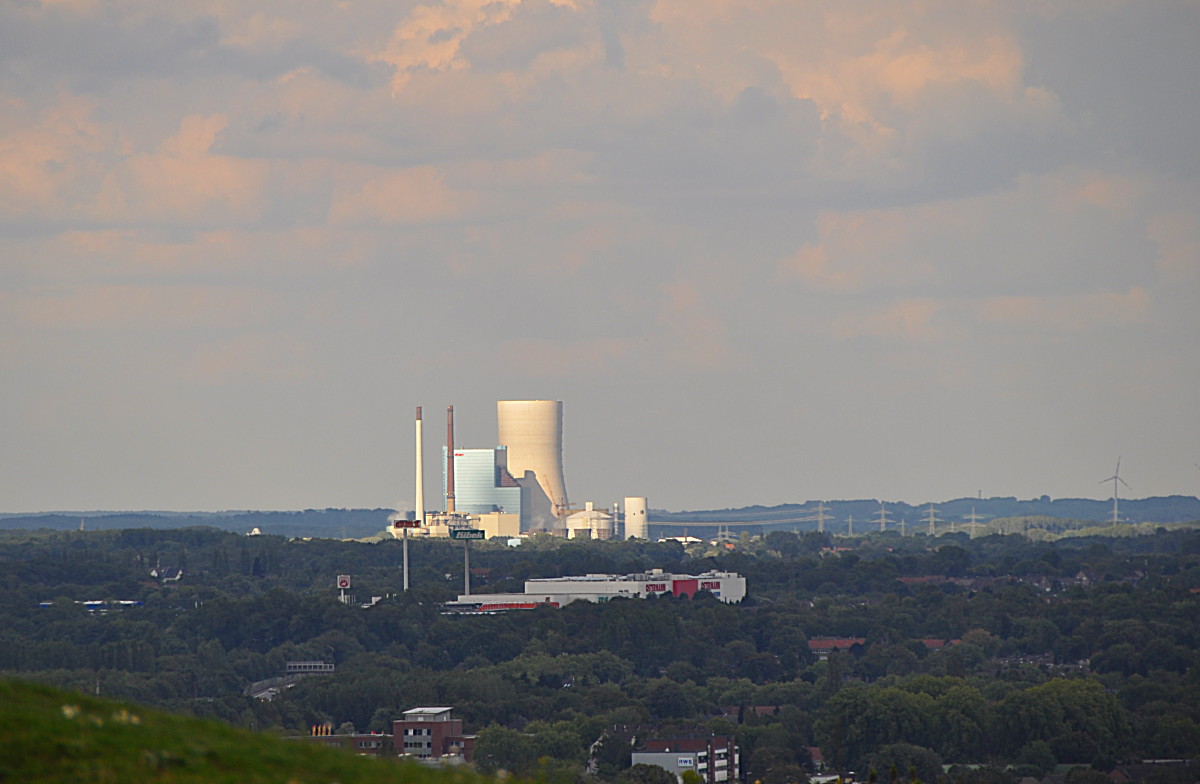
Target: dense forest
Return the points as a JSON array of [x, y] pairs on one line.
[[997, 651]]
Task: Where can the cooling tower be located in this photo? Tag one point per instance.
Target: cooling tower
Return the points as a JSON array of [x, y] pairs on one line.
[[532, 431], [636, 524]]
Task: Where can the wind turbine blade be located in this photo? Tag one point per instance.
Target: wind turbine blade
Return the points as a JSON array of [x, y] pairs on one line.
[[1122, 481]]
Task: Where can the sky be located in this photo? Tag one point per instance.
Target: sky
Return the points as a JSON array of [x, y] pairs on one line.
[[764, 251]]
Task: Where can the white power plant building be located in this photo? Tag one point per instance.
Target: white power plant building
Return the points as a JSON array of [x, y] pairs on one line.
[[591, 523], [532, 431]]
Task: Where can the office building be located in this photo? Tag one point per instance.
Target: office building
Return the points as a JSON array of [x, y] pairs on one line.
[[429, 733], [715, 759]]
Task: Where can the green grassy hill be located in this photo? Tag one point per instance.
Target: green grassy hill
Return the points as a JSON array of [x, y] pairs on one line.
[[47, 735]]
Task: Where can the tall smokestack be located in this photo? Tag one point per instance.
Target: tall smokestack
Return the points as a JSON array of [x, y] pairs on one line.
[[449, 459], [420, 503]]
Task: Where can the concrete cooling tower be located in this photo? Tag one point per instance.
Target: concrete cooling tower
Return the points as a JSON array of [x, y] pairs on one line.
[[532, 431]]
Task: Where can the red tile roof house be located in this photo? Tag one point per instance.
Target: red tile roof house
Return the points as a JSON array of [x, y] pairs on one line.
[[823, 646]]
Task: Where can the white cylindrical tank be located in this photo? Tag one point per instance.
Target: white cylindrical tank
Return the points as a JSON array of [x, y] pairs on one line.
[[532, 431], [636, 524]]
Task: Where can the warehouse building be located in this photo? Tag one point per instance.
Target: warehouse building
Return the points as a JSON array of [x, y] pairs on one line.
[[729, 587]]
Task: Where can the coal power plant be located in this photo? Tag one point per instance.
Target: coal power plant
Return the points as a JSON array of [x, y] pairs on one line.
[[518, 486]]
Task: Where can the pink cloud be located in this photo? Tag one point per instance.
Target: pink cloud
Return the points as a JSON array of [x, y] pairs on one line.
[[130, 306], [183, 180], [907, 321], [49, 158], [396, 196], [1115, 194], [259, 356], [546, 168], [563, 358], [1178, 236], [856, 249], [1075, 313], [430, 37], [811, 265], [697, 338], [80, 258], [64, 163], [1043, 232]]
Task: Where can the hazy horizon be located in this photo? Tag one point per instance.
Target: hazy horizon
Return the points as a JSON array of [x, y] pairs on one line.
[[911, 504]]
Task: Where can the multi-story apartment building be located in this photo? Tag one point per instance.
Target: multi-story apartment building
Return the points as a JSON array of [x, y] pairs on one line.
[[428, 733]]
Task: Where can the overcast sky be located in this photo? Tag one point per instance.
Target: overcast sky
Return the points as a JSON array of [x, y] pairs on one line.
[[765, 251]]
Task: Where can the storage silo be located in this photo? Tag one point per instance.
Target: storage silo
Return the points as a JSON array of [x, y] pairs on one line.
[[532, 431], [636, 524]]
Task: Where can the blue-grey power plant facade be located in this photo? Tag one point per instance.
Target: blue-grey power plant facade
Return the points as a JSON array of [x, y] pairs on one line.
[[482, 483]]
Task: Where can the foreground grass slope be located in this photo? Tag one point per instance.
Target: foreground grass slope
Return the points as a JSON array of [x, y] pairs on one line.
[[47, 735]]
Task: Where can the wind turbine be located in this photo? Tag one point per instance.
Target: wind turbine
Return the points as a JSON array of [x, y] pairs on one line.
[[1115, 478]]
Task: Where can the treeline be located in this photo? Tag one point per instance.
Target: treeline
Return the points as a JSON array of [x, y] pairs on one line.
[[987, 651]]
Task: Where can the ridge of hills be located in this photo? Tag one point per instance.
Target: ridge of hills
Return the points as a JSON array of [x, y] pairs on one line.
[[360, 523], [1155, 509], [336, 523], [48, 735]]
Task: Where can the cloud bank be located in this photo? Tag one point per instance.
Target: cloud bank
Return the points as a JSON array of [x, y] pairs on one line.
[[907, 249]]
